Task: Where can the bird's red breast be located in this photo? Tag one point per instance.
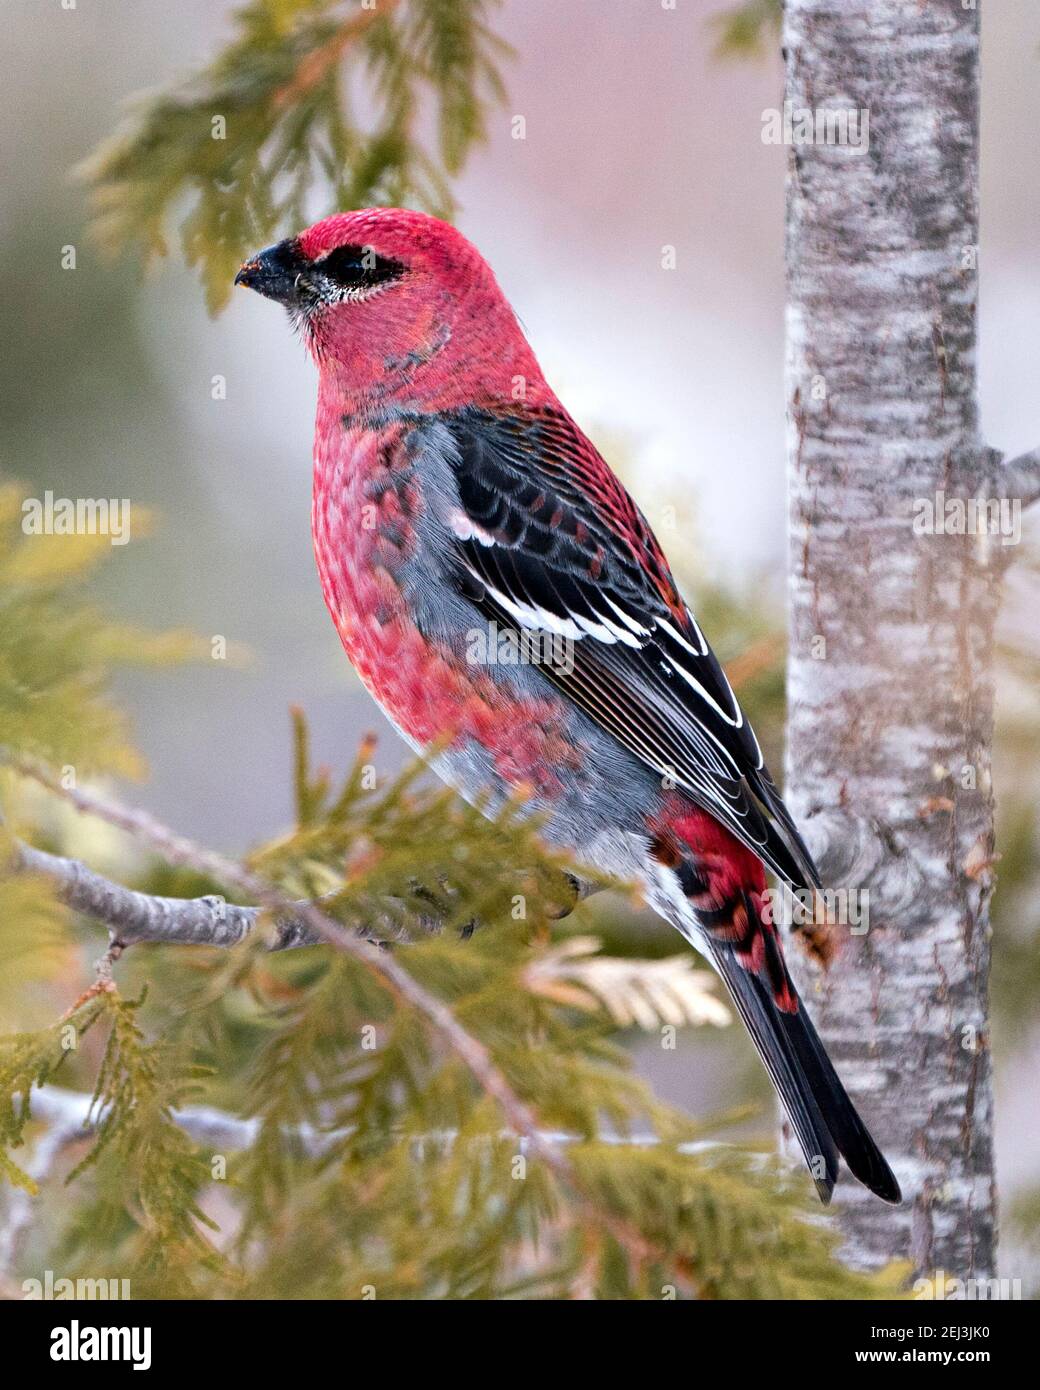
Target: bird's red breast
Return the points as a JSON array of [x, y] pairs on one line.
[[366, 503]]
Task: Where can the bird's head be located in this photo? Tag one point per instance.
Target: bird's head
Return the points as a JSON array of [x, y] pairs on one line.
[[397, 305]]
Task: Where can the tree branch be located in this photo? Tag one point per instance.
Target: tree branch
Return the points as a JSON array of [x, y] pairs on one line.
[[178, 849], [74, 1115], [318, 62], [135, 917], [1019, 478], [208, 921], [848, 851], [406, 990]]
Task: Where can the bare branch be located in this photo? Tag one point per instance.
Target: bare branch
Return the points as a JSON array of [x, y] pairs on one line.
[[1019, 478], [208, 921], [75, 1113]]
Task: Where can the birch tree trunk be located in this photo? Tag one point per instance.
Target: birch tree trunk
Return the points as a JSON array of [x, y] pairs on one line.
[[890, 682]]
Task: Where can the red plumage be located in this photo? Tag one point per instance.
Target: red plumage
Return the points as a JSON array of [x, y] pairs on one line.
[[454, 494]]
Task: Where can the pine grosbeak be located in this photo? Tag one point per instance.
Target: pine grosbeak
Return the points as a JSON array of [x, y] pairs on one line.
[[454, 495]]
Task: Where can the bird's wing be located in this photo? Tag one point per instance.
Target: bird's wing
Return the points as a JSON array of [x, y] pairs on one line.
[[547, 538]]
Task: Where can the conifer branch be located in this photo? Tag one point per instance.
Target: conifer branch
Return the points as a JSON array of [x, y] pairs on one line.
[[746, 28], [75, 1115], [180, 850], [245, 141], [317, 62], [402, 986], [136, 918]]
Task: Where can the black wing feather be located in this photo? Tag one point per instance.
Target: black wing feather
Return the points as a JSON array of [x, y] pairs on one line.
[[554, 536]]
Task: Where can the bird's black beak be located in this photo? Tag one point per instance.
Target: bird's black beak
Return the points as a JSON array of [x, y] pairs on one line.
[[275, 272]]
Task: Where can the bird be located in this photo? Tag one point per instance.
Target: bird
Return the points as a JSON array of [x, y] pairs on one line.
[[453, 497]]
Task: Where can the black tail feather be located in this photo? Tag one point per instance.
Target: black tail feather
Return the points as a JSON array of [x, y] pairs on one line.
[[822, 1116]]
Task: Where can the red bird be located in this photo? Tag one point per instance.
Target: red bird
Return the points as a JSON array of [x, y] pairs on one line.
[[454, 497]]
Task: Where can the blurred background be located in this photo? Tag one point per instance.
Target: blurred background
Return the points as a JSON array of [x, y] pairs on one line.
[[637, 137]]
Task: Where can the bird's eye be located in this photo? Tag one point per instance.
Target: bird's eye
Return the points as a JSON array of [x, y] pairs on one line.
[[358, 268]]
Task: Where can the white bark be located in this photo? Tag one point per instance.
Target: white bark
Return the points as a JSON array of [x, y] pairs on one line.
[[891, 716]]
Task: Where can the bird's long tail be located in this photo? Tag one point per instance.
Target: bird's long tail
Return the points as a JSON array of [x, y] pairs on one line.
[[721, 887], [823, 1117]]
